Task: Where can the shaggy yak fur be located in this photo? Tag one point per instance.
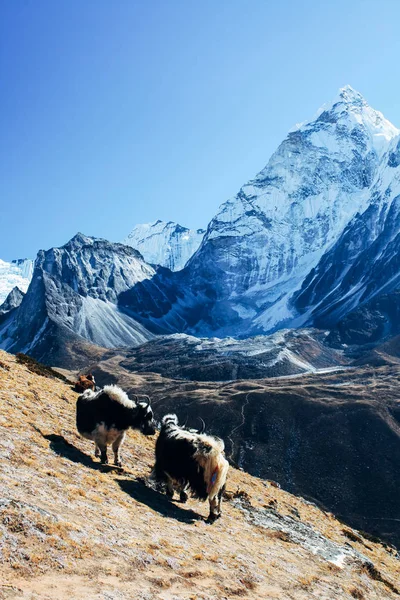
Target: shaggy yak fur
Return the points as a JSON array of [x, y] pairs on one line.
[[189, 461], [106, 415]]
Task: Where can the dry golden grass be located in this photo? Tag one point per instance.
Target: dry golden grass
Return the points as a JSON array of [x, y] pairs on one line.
[[70, 529]]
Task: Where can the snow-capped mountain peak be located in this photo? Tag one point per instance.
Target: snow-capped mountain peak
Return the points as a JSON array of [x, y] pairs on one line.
[[350, 97], [12, 301], [165, 243], [349, 110], [262, 243]]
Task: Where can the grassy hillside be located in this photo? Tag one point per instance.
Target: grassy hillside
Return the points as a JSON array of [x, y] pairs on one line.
[[71, 529]]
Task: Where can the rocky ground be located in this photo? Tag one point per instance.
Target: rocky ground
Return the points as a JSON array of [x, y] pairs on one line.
[[180, 356], [71, 529]]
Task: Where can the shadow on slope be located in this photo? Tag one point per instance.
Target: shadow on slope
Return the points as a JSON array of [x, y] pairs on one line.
[[141, 493], [62, 447]]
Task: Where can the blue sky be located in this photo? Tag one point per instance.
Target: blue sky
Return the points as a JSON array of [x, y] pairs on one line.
[[120, 112]]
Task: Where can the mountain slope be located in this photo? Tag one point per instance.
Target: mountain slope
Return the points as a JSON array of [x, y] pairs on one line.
[[167, 244], [73, 298], [72, 530], [356, 283]]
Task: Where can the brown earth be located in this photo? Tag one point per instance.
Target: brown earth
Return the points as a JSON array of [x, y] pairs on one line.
[[71, 529]]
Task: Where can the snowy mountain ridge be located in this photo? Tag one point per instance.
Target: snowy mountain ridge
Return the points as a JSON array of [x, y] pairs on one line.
[[167, 244], [382, 130]]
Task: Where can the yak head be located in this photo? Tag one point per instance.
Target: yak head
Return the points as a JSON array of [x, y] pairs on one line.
[[144, 417]]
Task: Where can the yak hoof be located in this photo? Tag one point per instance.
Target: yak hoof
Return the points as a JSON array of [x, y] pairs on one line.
[[118, 463], [183, 497], [170, 494], [212, 517]]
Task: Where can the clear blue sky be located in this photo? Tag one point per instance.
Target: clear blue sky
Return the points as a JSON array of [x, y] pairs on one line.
[[117, 112]]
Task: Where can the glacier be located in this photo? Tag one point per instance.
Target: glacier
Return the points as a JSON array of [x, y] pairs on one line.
[[17, 273], [165, 243]]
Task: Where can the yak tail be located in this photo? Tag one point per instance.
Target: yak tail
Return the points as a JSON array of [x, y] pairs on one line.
[[217, 476], [215, 468]]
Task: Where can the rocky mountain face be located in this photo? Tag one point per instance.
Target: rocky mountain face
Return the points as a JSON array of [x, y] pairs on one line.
[[12, 301], [16, 273], [167, 244], [355, 287], [286, 352], [73, 296]]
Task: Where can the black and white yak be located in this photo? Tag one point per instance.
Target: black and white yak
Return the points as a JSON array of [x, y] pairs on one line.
[[106, 415], [190, 461]]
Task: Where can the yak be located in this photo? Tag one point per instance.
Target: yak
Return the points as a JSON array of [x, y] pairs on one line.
[[190, 461], [106, 415]]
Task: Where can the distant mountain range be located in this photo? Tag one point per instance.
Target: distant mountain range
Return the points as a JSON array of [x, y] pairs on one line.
[[311, 241]]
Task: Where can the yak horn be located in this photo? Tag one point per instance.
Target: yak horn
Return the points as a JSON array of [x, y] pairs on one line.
[[146, 401], [203, 426]]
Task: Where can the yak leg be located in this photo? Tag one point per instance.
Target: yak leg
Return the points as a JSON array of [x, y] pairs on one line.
[[214, 514], [96, 450], [170, 488], [215, 506], [183, 496], [103, 454], [116, 446], [220, 494], [101, 444]]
